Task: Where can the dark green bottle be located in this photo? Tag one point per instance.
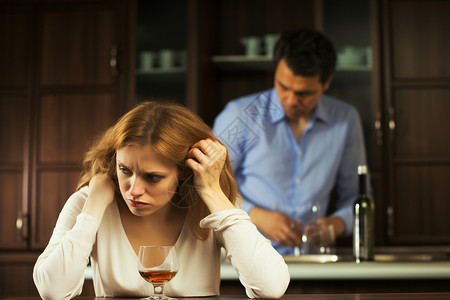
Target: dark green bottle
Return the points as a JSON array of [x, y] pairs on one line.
[[363, 221]]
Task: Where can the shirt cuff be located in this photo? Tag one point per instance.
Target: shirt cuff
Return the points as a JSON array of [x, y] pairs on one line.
[[347, 217]]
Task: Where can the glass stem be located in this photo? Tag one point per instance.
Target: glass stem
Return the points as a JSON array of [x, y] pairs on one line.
[[159, 291]]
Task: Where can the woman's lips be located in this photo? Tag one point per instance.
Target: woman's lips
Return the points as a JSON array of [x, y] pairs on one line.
[[136, 204]]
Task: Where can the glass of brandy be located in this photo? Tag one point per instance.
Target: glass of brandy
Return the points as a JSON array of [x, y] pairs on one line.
[[158, 265]]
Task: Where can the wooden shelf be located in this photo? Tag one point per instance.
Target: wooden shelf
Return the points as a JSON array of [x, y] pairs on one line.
[[172, 75], [264, 63], [174, 70]]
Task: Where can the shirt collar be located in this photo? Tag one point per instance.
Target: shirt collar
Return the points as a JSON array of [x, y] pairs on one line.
[[276, 113], [320, 112]]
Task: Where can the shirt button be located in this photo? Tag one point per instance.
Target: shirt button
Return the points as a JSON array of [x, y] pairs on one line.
[[298, 209], [299, 152], [298, 180]]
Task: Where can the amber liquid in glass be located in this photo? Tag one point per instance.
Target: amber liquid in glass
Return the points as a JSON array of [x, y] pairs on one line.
[[158, 278]]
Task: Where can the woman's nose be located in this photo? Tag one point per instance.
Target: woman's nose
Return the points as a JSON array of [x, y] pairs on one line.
[[137, 187]]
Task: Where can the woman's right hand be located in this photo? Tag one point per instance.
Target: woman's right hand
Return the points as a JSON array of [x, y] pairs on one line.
[[101, 195]]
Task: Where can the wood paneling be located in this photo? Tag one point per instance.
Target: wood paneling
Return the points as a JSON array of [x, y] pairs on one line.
[[13, 113], [420, 39], [422, 122], [69, 123], [76, 47], [17, 280], [10, 207], [421, 197], [15, 40], [54, 188]]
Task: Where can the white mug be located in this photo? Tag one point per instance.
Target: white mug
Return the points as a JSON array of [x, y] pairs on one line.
[[252, 45], [269, 42], [147, 60], [166, 58]]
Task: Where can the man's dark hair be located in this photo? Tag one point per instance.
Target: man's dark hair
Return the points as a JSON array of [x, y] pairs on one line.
[[307, 53]]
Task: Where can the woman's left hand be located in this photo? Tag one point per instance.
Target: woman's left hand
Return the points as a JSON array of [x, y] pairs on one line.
[[207, 159]]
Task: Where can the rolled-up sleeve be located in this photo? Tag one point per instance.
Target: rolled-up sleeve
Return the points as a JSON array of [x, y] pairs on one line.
[[59, 270]]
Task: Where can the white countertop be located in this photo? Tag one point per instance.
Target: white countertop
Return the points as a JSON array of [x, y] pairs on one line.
[[365, 270]]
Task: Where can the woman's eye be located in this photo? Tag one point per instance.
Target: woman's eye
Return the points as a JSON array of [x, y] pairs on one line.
[[153, 178], [124, 170]]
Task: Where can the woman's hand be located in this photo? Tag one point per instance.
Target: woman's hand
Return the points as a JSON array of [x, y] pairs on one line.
[[207, 159], [101, 195]]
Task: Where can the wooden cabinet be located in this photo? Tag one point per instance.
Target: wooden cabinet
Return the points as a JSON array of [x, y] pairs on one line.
[[15, 83], [416, 99], [64, 78]]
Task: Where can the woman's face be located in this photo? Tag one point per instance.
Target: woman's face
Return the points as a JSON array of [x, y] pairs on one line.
[[147, 180]]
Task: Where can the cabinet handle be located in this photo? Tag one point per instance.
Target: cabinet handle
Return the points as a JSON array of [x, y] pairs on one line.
[[113, 61], [378, 129], [391, 119], [22, 225]]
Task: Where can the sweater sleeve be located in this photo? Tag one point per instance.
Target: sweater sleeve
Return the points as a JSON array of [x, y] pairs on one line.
[[59, 270], [261, 269]]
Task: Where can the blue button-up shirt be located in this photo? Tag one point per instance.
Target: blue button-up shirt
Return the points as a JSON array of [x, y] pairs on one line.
[[275, 172]]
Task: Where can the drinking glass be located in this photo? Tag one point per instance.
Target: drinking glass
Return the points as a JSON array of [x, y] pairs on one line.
[[321, 241], [158, 265]]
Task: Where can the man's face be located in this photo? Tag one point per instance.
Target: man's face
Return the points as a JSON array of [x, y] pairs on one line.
[[298, 95]]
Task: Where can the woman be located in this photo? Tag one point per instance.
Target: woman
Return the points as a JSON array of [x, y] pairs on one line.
[[157, 177]]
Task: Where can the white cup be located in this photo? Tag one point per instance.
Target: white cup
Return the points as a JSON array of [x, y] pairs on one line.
[[252, 45], [147, 60], [166, 58], [269, 43]]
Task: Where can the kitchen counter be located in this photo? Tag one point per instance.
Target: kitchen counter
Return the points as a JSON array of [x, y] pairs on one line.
[[394, 271], [351, 270]]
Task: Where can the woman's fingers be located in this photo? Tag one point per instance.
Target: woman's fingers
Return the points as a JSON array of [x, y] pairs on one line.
[[207, 153]]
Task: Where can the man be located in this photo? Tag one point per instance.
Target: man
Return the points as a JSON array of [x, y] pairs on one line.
[[292, 145]]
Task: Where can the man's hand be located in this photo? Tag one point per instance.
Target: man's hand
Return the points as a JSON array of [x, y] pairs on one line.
[[323, 231], [277, 226]]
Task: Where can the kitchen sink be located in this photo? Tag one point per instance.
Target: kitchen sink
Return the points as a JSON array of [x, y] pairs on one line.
[[381, 257]]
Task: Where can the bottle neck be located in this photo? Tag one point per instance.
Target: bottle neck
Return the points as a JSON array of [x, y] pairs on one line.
[[362, 184]]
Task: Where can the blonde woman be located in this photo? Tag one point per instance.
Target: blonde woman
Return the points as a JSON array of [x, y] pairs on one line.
[[157, 177]]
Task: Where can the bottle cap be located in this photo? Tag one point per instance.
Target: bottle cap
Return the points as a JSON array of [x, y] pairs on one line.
[[362, 169]]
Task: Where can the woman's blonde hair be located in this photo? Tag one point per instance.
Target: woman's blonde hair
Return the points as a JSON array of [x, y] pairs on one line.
[[171, 129]]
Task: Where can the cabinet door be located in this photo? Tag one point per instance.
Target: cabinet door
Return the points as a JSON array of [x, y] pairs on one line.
[[67, 125], [79, 45], [15, 45], [80, 93], [417, 95]]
